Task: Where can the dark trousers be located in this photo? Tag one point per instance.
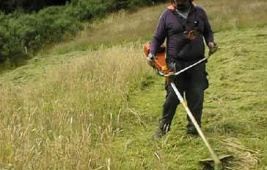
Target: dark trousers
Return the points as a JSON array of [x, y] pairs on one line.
[[191, 84]]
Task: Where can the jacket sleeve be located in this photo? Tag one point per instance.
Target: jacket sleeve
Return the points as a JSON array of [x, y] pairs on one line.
[[159, 36], [208, 33]]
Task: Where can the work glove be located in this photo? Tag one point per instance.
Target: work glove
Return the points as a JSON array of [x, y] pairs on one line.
[[172, 70], [151, 57], [172, 67], [212, 48]]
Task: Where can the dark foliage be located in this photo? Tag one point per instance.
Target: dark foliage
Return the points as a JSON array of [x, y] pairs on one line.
[[8, 6], [21, 33]]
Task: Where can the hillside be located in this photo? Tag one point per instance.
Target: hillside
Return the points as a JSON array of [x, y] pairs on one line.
[[94, 103]]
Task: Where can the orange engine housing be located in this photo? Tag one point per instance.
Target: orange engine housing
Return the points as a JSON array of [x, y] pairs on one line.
[[159, 63]]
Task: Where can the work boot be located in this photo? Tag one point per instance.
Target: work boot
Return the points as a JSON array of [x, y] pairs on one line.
[[158, 134], [191, 130]]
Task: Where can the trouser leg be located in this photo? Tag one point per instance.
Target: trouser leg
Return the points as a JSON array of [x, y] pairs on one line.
[[170, 104], [195, 94], [195, 98], [169, 109]]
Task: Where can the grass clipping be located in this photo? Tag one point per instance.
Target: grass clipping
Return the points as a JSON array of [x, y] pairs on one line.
[[244, 158]]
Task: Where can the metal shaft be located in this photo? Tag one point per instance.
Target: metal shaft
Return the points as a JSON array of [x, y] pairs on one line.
[[183, 70], [217, 162]]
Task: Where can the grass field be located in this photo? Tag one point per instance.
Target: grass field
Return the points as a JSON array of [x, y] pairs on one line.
[[94, 103]]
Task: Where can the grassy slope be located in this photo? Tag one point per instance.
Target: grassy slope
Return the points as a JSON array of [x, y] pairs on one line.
[[234, 110], [60, 111]]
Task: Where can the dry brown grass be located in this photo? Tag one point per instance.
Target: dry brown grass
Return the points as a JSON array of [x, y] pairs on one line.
[[233, 14], [124, 26], [119, 27]]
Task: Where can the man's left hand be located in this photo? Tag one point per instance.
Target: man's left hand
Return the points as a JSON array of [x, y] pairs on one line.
[[213, 48]]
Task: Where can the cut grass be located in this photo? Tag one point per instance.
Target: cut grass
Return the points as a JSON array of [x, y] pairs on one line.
[[234, 117]]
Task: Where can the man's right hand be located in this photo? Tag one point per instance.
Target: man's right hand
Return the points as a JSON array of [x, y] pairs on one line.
[[151, 57]]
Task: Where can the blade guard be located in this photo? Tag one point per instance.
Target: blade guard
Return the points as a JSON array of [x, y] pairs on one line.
[[159, 63]]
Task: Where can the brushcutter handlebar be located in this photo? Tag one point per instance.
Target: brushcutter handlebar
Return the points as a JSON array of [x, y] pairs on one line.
[[158, 61], [187, 68]]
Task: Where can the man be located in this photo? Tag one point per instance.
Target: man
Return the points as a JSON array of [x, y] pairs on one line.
[[184, 25]]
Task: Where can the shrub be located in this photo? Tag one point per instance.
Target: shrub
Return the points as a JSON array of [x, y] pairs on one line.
[[21, 32]]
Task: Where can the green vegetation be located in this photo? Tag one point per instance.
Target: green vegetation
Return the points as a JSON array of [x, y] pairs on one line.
[[93, 103], [24, 33], [9, 6]]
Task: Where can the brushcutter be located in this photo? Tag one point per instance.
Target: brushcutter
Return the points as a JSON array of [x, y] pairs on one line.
[[159, 64]]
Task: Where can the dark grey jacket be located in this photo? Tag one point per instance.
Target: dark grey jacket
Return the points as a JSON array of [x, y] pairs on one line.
[[172, 27]]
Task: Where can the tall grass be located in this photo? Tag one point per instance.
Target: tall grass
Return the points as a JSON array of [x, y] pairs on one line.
[[23, 34], [72, 114], [124, 26], [235, 14]]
